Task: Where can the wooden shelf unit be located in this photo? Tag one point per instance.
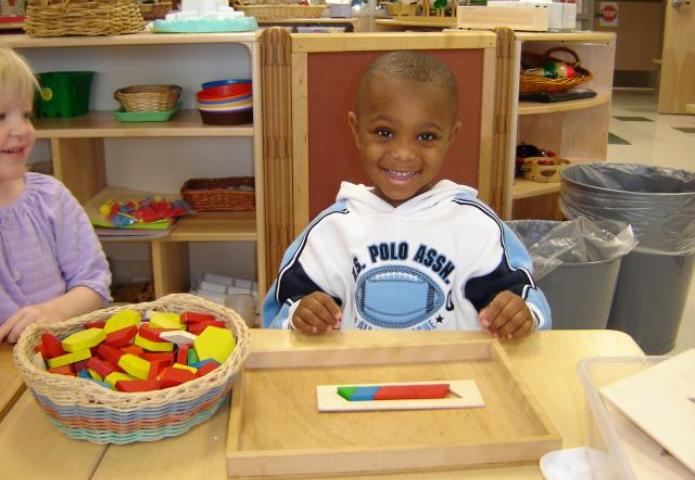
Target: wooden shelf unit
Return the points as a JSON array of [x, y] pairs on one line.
[[78, 153], [576, 129]]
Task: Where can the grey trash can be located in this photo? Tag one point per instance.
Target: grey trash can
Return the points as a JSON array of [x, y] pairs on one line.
[[576, 265], [654, 279]]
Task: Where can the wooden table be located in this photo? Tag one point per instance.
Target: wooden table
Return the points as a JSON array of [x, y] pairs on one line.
[[30, 447]]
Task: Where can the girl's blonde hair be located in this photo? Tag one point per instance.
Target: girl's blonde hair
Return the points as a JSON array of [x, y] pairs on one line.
[[17, 82]]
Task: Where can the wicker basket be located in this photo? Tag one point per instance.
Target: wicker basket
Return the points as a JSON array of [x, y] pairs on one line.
[[274, 12], [84, 410], [534, 84], [209, 194], [155, 11], [148, 98], [56, 18], [400, 9]]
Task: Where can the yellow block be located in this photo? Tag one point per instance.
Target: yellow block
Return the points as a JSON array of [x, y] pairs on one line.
[[69, 358], [165, 320], [216, 343], [134, 365], [114, 377], [84, 339], [151, 346], [185, 367], [94, 375], [122, 319]]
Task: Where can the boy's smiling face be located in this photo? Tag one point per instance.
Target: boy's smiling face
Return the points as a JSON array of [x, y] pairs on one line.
[[403, 129]]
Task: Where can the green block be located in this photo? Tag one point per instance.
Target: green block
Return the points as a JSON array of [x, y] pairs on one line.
[[192, 357], [346, 392]]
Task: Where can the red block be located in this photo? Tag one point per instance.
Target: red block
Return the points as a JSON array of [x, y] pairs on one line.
[[410, 392], [171, 377], [152, 333], [133, 349], [100, 366], [159, 356], [182, 355], [122, 337], [207, 368], [198, 327], [64, 370], [156, 367], [97, 324], [52, 346], [137, 385], [192, 317], [81, 365], [110, 354]]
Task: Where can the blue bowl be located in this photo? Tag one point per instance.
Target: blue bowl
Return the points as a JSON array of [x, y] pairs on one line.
[[217, 83]]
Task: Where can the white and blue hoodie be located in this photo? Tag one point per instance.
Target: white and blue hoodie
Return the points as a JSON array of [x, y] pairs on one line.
[[431, 263]]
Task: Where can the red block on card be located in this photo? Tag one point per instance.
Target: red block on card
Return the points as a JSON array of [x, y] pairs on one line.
[[171, 377], [52, 346], [122, 337], [192, 317], [410, 392], [137, 385], [64, 370], [102, 367]]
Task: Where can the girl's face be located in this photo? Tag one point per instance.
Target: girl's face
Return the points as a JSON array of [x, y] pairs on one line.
[[403, 130], [17, 137]]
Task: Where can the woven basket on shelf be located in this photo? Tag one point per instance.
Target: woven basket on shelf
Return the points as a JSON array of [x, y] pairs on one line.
[[396, 9], [155, 11], [148, 98], [278, 11], [84, 410], [56, 18], [534, 84], [221, 194]]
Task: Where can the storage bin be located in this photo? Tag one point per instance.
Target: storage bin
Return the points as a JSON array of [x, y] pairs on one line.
[[64, 94]]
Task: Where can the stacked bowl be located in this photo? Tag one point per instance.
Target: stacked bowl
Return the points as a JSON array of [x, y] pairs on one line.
[[226, 102]]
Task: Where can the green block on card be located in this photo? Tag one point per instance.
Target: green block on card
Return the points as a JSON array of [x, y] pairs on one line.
[[192, 357], [346, 392]]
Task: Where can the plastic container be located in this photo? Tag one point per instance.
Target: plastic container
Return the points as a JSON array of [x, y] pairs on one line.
[[619, 450], [64, 94], [162, 116], [234, 117], [230, 81]]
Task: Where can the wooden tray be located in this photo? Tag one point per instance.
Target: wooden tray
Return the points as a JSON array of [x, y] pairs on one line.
[[275, 428]]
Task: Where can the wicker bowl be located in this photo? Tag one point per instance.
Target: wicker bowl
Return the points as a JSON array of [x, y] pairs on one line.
[[148, 98], [155, 11], [84, 410], [220, 194], [534, 84]]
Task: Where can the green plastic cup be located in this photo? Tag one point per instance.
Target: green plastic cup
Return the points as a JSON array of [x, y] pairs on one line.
[[63, 94]]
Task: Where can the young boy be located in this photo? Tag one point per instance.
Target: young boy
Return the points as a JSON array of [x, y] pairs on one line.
[[406, 253]]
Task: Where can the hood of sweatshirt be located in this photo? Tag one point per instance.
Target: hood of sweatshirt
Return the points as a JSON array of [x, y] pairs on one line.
[[361, 198]]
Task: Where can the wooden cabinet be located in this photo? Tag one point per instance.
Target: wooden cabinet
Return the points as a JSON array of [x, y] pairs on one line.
[[93, 152], [576, 130]]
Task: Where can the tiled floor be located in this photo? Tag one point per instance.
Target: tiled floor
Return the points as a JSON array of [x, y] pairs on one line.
[[663, 140]]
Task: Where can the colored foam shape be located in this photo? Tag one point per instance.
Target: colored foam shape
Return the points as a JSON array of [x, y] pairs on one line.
[[94, 375], [191, 317], [133, 350], [69, 358], [201, 363], [192, 356], [364, 394], [81, 365], [346, 392], [115, 377], [135, 366], [182, 355], [410, 392], [199, 327], [185, 367], [171, 377], [84, 374], [156, 368], [51, 346], [150, 333], [122, 337], [63, 370], [207, 368], [216, 343], [109, 353], [137, 385], [165, 320], [159, 356], [97, 324], [153, 346], [179, 337], [84, 339], [121, 320]]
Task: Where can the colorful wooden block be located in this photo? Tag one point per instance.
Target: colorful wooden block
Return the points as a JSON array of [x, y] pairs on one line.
[[84, 374], [97, 324], [192, 317], [179, 337], [346, 392], [165, 320], [136, 350], [51, 346], [81, 365], [137, 385], [208, 367], [363, 394], [135, 366], [192, 356], [185, 367], [171, 377], [182, 354], [216, 343], [156, 368], [199, 327], [83, 339], [122, 337], [121, 320], [159, 356], [94, 375], [407, 392], [63, 370], [68, 358], [153, 346], [150, 333], [115, 377], [110, 354]]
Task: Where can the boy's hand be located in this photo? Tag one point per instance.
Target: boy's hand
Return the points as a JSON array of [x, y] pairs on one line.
[[507, 316], [317, 313], [25, 316]]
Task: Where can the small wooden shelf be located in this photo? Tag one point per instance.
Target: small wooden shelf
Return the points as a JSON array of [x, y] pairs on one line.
[[566, 37], [215, 227], [100, 124], [526, 188], [418, 22], [25, 41], [537, 108], [309, 21]]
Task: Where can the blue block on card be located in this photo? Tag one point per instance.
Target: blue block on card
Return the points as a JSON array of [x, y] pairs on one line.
[[364, 393]]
